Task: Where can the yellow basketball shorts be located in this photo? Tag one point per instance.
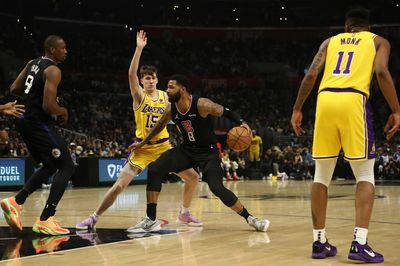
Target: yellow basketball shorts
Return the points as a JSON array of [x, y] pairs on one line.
[[147, 154], [343, 121], [254, 155]]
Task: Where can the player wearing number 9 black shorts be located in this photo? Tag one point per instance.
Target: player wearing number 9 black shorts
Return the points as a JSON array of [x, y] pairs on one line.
[[37, 85]]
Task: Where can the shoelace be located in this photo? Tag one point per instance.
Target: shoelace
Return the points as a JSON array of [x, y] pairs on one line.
[[143, 221], [55, 221], [18, 206]]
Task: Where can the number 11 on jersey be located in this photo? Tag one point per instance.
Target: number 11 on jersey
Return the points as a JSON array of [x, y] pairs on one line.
[[346, 71]]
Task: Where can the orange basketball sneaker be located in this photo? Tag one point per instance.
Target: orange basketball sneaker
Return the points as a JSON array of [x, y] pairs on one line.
[[49, 227], [12, 213]]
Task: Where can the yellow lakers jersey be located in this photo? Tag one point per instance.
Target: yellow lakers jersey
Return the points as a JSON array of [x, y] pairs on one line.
[[147, 115], [350, 62], [256, 141]]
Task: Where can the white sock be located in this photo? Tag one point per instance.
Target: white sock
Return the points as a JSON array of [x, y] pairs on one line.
[[320, 235], [184, 210], [96, 215], [360, 235]]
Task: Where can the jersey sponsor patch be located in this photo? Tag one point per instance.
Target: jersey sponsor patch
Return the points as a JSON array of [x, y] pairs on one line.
[[56, 152]]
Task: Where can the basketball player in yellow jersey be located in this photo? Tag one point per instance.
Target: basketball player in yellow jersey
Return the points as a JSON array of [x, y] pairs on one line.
[[343, 121], [255, 148], [149, 104]]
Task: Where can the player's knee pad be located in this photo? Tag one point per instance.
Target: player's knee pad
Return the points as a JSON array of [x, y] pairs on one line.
[[154, 179], [324, 171], [225, 195], [364, 171]]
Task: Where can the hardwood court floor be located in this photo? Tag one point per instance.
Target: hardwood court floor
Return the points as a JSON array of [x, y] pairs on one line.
[[225, 238]]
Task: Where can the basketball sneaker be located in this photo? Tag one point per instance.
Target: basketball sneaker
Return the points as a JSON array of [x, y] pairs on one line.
[[12, 213], [49, 227], [321, 251], [145, 225], [87, 224], [48, 244], [258, 224], [189, 219], [364, 253]]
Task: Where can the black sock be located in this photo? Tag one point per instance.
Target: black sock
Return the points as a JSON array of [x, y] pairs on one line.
[[244, 213], [151, 210], [48, 211], [20, 198]]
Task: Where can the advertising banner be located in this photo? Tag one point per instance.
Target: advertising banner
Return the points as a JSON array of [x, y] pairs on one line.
[[12, 172]]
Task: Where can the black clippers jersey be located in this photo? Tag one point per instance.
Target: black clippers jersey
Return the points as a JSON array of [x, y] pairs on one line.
[[34, 87], [197, 131]]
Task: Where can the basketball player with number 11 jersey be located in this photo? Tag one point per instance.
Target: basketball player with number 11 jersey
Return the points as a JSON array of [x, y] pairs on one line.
[[345, 86], [344, 121]]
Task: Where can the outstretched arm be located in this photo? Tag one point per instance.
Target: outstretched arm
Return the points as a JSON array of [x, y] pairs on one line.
[[134, 85], [386, 85], [161, 124], [12, 109], [307, 85]]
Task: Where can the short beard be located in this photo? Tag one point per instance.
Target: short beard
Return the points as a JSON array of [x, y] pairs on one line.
[[174, 98]]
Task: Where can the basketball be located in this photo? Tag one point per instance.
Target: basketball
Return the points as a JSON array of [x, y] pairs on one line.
[[239, 139]]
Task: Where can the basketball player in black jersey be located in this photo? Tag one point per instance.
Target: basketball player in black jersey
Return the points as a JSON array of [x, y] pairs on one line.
[[199, 149], [37, 85]]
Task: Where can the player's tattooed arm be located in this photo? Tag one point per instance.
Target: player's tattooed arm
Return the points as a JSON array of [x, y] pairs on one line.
[[207, 107], [309, 79]]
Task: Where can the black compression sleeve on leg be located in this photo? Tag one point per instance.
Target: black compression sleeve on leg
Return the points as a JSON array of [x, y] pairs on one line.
[[154, 178], [60, 180], [35, 181], [214, 173], [233, 116]]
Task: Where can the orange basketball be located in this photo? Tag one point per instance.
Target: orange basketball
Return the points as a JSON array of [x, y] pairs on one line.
[[239, 139]]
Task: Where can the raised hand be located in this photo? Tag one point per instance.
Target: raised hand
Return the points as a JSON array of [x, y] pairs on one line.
[[141, 39], [246, 126]]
